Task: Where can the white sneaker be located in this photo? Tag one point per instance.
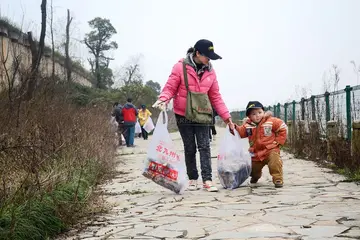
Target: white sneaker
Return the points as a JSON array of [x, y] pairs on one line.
[[193, 185], [208, 185]]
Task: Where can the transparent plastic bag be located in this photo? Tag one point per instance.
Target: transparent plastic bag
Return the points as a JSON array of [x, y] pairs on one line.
[[164, 165], [234, 161]]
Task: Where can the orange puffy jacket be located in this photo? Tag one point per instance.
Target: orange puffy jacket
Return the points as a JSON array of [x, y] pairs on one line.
[[264, 137]]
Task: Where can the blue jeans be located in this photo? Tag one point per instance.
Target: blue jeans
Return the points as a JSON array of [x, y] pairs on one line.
[[129, 135]]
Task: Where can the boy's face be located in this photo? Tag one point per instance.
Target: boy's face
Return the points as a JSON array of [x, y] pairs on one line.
[[256, 115]]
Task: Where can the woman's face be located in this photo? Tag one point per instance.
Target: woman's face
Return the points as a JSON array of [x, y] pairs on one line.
[[204, 60]]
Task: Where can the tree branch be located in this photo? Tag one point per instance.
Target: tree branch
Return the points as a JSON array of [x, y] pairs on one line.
[[36, 56]]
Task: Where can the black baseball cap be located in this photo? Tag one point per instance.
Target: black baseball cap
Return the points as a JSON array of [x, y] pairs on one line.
[[253, 105], [206, 48]]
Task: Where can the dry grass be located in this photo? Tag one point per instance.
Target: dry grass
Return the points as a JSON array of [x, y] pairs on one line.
[[52, 153], [334, 151]]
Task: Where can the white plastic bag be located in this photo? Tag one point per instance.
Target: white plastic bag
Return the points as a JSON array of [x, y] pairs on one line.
[[234, 160], [149, 125], [164, 165], [113, 124], [137, 128]]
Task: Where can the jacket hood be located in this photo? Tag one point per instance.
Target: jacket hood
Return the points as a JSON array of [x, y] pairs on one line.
[[129, 105], [189, 60]]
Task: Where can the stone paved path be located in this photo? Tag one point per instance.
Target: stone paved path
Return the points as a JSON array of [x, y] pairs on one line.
[[314, 204]]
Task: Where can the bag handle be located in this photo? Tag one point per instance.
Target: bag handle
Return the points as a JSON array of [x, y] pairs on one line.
[[236, 133], [187, 84], [185, 76], [162, 119]]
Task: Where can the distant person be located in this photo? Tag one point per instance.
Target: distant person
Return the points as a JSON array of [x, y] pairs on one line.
[[266, 134], [144, 115], [129, 113], [201, 79], [117, 113]]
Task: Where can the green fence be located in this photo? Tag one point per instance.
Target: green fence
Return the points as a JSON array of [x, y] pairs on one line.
[[342, 106]]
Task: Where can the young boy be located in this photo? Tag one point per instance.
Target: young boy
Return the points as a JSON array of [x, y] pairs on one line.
[[266, 134]]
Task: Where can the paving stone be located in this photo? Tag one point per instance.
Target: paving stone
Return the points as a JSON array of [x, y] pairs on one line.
[[192, 230], [261, 230], [163, 233], [286, 220], [353, 232], [137, 230], [320, 231]]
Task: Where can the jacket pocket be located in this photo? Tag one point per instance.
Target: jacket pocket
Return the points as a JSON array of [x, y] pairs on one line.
[[271, 146]]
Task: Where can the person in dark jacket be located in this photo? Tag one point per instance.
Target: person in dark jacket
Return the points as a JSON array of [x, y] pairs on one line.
[[117, 113], [129, 112]]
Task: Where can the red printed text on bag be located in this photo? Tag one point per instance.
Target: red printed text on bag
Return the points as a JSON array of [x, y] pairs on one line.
[[159, 169], [221, 157], [165, 154]]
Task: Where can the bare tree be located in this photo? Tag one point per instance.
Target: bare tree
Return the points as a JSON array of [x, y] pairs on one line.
[[8, 69], [356, 70], [326, 82], [52, 41], [336, 77], [67, 43], [336, 80], [130, 73], [37, 53]]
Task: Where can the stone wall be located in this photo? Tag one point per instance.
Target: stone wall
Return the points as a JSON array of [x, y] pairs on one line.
[[15, 49]]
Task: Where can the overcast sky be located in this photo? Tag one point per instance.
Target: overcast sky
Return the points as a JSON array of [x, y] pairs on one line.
[[269, 47]]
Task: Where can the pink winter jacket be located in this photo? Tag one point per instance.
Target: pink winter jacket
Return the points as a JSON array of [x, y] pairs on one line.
[[175, 88]]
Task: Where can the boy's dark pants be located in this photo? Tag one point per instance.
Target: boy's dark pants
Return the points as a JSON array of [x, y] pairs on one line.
[[275, 165]]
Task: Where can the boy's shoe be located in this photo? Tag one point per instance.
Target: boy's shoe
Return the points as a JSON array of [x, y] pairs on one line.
[[278, 184], [254, 180], [193, 185], [208, 185]]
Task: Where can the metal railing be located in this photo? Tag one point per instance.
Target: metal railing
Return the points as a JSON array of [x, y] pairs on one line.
[[342, 106]]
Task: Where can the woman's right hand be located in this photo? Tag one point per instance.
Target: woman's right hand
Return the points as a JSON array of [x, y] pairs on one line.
[[231, 125], [160, 104]]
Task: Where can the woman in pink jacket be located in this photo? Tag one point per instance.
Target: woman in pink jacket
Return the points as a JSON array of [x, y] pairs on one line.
[[201, 78]]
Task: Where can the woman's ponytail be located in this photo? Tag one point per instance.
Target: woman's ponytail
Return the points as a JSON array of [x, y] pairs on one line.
[[190, 50]]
